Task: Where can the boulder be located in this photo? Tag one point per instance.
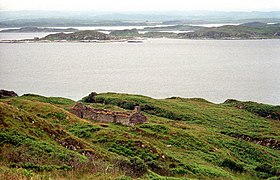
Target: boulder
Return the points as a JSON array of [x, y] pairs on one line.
[[5, 93]]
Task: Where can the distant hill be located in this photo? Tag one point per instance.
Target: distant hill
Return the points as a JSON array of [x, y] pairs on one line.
[[260, 24], [36, 29], [180, 27], [66, 22], [255, 24], [94, 18]]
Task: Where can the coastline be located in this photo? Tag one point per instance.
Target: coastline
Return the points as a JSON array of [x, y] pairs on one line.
[[128, 40]]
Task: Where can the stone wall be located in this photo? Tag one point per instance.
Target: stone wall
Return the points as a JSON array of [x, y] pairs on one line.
[[105, 118], [137, 118], [122, 120], [103, 115]]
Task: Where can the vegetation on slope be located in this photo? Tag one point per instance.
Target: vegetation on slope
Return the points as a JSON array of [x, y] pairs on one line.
[[125, 33], [159, 34], [263, 110], [184, 138]]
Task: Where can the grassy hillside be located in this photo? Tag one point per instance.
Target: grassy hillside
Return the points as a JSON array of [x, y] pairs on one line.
[[183, 139], [263, 110]]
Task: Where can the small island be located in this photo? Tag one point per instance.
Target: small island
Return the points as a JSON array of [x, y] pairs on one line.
[[86, 35]]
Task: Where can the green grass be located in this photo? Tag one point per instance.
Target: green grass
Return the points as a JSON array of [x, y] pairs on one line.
[[263, 110], [183, 139], [83, 130], [51, 100]]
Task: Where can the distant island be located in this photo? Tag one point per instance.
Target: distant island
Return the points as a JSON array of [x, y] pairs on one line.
[[179, 27], [128, 136], [252, 30], [37, 29], [85, 35]]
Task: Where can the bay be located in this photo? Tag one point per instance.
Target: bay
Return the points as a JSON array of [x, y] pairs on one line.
[[212, 69]]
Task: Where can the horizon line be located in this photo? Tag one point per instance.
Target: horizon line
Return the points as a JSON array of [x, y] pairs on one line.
[[133, 11]]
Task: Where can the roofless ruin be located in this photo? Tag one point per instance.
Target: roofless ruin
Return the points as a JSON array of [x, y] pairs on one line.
[[103, 115]]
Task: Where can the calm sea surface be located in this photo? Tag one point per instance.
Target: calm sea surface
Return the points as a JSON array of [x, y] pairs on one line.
[[214, 70]]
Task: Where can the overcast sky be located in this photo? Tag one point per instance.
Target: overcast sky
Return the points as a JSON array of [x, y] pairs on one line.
[[141, 5]]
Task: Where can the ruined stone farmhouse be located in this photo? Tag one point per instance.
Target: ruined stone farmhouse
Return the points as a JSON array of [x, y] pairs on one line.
[[103, 115]]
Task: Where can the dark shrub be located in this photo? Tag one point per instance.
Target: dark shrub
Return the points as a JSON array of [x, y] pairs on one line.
[[91, 98], [232, 165], [148, 108], [134, 167], [180, 171], [267, 168], [82, 130], [264, 168], [159, 168], [129, 105]]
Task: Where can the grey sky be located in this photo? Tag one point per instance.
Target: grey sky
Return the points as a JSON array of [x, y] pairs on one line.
[[141, 5]]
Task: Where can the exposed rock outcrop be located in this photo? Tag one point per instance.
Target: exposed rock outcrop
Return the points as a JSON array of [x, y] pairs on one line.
[[258, 109], [268, 142], [5, 93], [277, 34], [103, 115]]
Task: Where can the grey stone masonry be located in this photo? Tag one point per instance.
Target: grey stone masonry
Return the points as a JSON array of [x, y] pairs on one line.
[[103, 115]]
